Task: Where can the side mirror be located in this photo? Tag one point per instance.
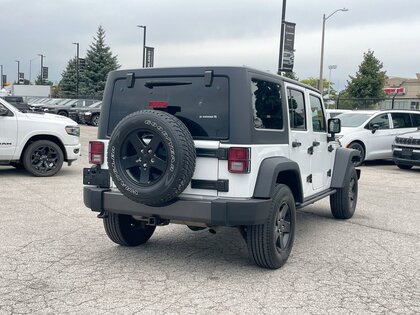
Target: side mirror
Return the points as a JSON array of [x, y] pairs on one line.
[[374, 127], [3, 110], [334, 126]]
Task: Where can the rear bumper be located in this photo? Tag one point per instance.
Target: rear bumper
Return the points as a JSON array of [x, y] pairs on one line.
[[222, 212]]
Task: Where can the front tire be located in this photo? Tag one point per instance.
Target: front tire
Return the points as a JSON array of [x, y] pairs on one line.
[[405, 167], [270, 244], [43, 158], [126, 231], [343, 202], [359, 147]]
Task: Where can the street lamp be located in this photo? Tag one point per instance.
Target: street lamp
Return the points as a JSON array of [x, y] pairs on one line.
[[30, 69], [144, 40], [77, 70], [320, 85], [330, 67], [42, 67], [18, 66]]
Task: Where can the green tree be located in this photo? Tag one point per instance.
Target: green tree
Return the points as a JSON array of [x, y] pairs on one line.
[[291, 75], [38, 81], [314, 83], [68, 82], [99, 62], [369, 80]]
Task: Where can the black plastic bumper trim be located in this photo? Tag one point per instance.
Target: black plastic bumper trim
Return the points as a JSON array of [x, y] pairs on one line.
[[219, 211], [221, 153], [219, 185]]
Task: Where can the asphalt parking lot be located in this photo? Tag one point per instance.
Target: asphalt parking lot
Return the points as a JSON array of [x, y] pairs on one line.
[[55, 257]]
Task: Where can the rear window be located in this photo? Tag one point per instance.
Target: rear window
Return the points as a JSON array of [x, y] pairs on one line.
[[203, 109]]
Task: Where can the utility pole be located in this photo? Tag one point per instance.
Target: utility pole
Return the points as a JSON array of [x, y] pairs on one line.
[[144, 42], [18, 65], [42, 67], [283, 19]]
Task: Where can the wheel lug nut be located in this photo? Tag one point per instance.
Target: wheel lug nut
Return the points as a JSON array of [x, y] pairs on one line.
[[152, 160], [145, 165], [150, 151]]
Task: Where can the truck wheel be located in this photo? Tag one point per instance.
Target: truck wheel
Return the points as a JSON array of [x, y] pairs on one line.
[[151, 157], [126, 231], [357, 146], [95, 120], [405, 167], [270, 244], [43, 158], [343, 202], [63, 113]]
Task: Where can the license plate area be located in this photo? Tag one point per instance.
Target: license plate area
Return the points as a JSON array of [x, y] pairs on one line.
[[407, 152]]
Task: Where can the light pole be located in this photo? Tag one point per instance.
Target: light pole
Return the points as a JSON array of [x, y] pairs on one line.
[[320, 83], [42, 67], [330, 67], [77, 69], [30, 69], [144, 40], [18, 65]]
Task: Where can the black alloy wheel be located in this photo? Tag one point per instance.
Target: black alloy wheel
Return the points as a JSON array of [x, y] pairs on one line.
[[43, 158], [282, 227], [63, 113], [359, 147], [144, 157]]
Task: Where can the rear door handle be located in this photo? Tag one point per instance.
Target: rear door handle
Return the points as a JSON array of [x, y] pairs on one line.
[[296, 144], [315, 143]]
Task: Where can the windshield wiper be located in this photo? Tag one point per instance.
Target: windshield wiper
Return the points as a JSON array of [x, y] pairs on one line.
[[152, 84]]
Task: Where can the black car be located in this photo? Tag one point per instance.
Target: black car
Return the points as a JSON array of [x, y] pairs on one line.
[[87, 115], [18, 102], [63, 109]]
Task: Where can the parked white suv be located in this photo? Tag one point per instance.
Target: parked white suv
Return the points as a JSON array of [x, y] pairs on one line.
[[217, 146], [38, 142], [372, 132]]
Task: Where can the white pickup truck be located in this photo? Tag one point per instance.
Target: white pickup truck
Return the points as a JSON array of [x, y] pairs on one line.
[[36, 141]]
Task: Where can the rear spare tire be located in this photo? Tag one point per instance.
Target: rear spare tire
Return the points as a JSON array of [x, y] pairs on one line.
[[151, 157]]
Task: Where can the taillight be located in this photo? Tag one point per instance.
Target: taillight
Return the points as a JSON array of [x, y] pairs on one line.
[[96, 152], [158, 104], [239, 160]]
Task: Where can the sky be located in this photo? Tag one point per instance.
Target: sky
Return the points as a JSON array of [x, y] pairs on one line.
[[216, 32]]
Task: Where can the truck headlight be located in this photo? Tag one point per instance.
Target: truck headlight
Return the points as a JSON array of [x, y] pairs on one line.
[[73, 130]]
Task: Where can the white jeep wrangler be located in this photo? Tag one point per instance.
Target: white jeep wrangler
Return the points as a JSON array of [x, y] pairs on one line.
[[216, 146], [38, 142]]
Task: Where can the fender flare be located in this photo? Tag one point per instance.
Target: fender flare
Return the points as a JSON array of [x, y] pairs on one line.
[[268, 173], [342, 163]]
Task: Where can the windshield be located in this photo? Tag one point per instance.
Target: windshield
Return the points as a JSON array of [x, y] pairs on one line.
[[353, 119]]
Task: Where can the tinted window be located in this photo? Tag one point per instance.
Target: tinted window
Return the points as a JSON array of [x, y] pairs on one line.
[[266, 101], [318, 119], [416, 120], [401, 120], [203, 109], [296, 109], [382, 121]]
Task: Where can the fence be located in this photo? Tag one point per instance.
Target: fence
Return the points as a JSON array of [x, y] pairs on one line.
[[375, 103]]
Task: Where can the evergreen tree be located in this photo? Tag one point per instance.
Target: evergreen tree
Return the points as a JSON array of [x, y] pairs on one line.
[[68, 82], [99, 62], [291, 75], [38, 81], [369, 80]]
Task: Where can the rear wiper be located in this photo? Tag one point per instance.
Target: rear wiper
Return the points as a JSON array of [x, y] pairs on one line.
[[152, 84]]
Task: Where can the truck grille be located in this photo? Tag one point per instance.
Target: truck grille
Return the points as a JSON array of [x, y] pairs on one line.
[[409, 141]]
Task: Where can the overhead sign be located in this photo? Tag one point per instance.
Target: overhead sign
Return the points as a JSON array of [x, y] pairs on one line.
[[45, 72], [288, 53], [82, 62], [150, 52], [400, 90], [21, 75]]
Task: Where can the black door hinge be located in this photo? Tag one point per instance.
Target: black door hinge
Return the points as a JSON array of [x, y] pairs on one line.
[[329, 173], [330, 148], [309, 179], [311, 150]]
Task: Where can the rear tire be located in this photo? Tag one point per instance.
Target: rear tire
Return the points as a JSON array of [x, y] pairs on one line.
[[126, 231], [343, 202], [270, 244], [63, 113]]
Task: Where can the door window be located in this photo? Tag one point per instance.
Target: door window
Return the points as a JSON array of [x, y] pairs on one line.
[[401, 120], [297, 111], [381, 120], [416, 120], [318, 119]]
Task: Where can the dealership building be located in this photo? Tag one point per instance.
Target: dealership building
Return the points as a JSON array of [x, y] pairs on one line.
[[404, 93]]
